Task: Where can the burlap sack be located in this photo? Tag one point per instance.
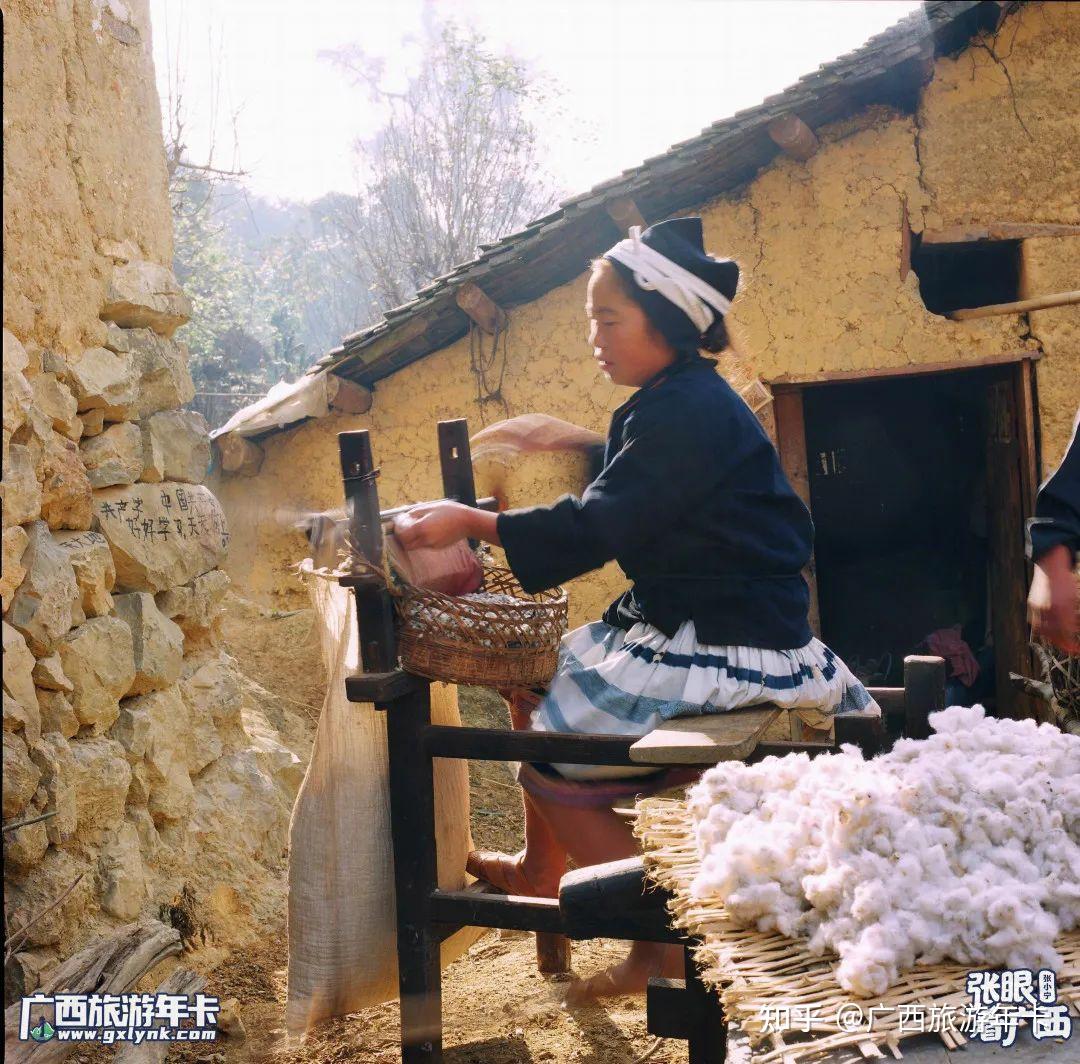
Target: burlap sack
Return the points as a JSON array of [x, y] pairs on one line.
[[342, 937]]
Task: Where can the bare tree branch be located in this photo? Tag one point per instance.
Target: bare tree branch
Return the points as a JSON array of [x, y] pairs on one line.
[[17, 938], [455, 165]]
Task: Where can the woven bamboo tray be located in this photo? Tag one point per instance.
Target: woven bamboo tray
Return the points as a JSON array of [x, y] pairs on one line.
[[757, 974], [493, 644]]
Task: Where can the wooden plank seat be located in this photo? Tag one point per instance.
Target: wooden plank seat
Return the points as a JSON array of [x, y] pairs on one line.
[[706, 739], [735, 735]]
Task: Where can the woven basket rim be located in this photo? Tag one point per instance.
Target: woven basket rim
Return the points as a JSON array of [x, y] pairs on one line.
[[552, 597]]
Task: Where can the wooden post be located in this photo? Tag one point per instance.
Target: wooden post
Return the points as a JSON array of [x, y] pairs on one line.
[[455, 462], [412, 791], [791, 443], [924, 693], [412, 819], [1005, 482], [708, 1037], [374, 610], [552, 953]]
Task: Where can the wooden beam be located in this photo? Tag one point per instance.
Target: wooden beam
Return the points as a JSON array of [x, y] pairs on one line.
[[966, 234], [1020, 306], [497, 744], [471, 908], [396, 337], [481, 308], [347, 396], [793, 136], [1007, 570], [924, 693], [788, 381], [613, 900], [624, 213], [1027, 415], [239, 455]]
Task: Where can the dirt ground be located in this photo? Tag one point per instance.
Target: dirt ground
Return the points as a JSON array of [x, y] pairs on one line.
[[497, 1008]]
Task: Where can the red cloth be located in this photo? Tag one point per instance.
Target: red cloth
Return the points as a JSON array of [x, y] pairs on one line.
[[947, 643], [453, 570]]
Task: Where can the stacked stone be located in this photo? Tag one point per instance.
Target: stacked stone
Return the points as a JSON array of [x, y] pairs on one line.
[[122, 717]]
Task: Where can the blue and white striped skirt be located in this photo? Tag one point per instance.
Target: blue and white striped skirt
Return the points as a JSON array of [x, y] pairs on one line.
[[615, 682]]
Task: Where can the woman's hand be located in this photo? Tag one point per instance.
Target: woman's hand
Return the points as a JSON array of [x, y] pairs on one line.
[[1053, 605], [433, 525]]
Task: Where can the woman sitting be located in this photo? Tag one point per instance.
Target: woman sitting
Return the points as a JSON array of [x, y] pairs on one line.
[[693, 504]]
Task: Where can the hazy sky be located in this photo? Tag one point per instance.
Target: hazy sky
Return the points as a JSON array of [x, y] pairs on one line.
[[636, 75]]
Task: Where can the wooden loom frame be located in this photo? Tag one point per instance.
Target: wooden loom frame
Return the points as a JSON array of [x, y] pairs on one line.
[[427, 915]]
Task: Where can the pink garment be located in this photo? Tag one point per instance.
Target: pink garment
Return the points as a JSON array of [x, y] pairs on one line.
[[948, 644]]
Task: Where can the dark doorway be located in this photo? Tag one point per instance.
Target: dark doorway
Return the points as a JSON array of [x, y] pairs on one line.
[[918, 513]]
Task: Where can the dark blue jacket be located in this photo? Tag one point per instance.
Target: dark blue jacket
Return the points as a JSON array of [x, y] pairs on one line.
[[694, 506]]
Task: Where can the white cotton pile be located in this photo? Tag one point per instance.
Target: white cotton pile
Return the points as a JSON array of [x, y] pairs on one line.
[[962, 846]]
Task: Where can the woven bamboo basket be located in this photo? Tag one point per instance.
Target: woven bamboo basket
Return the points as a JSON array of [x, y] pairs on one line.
[[1062, 672], [469, 640]]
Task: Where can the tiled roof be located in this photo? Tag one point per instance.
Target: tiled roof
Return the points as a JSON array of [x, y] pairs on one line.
[[891, 67]]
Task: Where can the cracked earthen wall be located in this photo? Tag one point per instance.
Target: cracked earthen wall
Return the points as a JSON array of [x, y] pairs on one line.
[[125, 722], [820, 247], [79, 112]]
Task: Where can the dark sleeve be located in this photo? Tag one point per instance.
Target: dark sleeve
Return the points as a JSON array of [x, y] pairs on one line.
[[671, 459], [1057, 508]]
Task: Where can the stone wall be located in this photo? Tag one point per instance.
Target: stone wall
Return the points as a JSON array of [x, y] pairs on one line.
[[820, 247], [124, 719]]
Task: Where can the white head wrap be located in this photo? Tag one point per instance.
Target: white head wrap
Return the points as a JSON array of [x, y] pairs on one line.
[[653, 271]]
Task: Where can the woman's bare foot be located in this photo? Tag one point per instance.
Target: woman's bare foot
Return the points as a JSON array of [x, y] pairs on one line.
[[631, 976], [512, 874]]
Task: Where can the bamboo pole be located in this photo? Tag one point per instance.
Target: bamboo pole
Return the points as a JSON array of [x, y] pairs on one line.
[[1058, 299]]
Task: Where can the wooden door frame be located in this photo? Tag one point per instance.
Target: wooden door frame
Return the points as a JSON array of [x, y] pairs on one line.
[[788, 392]]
